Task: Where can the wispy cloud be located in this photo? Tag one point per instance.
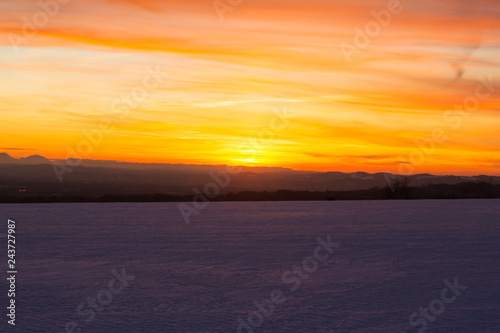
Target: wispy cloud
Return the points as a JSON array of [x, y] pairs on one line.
[[228, 103], [21, 149]]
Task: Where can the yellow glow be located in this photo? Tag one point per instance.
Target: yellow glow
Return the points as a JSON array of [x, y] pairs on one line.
[[222, 82], [245, 161]]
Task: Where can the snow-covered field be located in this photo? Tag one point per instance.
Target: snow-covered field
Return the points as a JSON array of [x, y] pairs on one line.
[[257, 267]]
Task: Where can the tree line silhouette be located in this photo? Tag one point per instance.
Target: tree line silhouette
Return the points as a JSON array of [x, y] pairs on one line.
[[398, 191]]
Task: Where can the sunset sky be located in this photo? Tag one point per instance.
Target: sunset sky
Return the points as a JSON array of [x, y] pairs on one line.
[[227, 76]]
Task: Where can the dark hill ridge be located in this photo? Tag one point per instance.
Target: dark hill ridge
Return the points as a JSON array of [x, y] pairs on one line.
[[31, 160], [34, 160], [34, 176], [7, 159]]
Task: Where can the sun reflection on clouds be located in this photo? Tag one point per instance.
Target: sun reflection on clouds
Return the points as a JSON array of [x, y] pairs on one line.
[[224, 77]]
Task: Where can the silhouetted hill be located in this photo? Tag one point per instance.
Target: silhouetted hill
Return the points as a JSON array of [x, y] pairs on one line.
[[29, 160], [35, 176], [34, 160], [7, 159]]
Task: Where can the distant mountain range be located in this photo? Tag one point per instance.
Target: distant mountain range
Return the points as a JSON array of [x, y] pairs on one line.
[[30, 160], [34, 176]]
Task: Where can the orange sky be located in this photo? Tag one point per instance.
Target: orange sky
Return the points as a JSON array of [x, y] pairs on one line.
[[226, 78]]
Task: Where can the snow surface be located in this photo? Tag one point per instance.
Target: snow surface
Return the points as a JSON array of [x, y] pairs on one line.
[[393, 259]]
